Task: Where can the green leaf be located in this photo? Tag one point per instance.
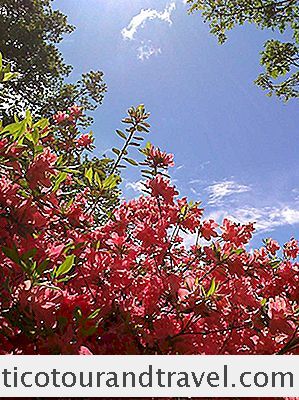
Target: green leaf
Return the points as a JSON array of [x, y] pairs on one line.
[[12, 254], [238, 251], [60, 178], [212, 288], [89, 174], [78, 313], [66, 266], [141, 128], [11, 128], [32, 267], [263, 302], [116, 151], [42, 123], [1, 63], [8, 76], [28, 117], [131, 161], [90, 331], [134, 144], [110, 182], [38, 149], [42, 266], [275, 264], [35, 137], [18, 134], [121, 134], [7, 68], [66, 278], [145, 171], [29, 254], [141, 108], [97, 180], [94, 314], [29, 136]]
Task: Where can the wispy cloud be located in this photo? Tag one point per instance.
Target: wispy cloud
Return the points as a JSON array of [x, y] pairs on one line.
[[192, 181], [266, 218], [204, 164], [224, 201], [139, 20], [219, 190], [137, 186], [146, 50]]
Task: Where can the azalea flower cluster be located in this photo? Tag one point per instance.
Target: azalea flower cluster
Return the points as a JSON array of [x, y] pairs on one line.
[[131, 286], [69, 116], [67, 121]]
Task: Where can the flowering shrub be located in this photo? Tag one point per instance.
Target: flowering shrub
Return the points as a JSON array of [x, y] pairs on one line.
[[70, 285]]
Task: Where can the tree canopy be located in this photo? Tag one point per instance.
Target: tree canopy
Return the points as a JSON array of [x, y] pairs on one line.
[[280, 59], [29, 33]]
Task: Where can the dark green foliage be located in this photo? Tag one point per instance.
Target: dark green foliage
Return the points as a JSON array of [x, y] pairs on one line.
[[29, 33], [279, 59]]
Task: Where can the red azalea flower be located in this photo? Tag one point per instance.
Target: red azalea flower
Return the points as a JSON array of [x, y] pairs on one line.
[[85, 141], [291, 248], [272, 246]]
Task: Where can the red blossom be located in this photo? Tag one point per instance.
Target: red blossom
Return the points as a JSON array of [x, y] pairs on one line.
[[69, 116], [291, 248], [40, 170], [60, 117], [278, 311], [84, 141], [75, 111], [3, 144], [133, 286], [158, 158], [236, 233], [161, 187], [208, 229], [272, 246]]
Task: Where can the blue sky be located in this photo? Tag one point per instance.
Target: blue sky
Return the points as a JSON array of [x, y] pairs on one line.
[[235, 148]]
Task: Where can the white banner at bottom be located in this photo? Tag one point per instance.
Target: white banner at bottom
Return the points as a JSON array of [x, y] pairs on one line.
[[149, 376]]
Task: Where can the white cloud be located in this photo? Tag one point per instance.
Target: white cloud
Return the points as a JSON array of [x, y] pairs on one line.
[[204, 164], [222, 189], [296, 192], [145, 51], [192, 181], [139, 20], [189, 239], [266, 218], [136, 186]]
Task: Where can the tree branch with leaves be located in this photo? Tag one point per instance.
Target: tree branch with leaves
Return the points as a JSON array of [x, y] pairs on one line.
[[280, 59]]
